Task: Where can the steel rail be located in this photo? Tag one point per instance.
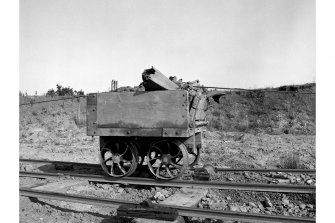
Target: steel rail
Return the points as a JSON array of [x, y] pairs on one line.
[[217, 169], [28, 192], [58, 162], [183, 211], [181, 183]]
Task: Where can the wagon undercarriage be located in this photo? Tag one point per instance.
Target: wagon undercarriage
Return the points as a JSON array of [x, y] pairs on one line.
[[165, 158]]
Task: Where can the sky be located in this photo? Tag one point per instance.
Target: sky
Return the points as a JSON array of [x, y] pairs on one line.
[[85, 44]]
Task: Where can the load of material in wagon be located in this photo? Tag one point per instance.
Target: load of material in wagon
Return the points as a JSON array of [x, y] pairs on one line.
[[154, 80]]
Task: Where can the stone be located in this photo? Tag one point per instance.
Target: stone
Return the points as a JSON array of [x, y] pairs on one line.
[[285, 201], [310, 206], [302, 206], [292, 179], [273, 182], [246, 175], [309, 181], [255, 210], [284, 175], [120, 190], [159, 196], [283, 181], [165, 193], [230, 179], [243, 209], [186, 197], [279, 175], [267, 202], [234, 208], [228, 198], [251, 204], [210, 169], [104, 186]]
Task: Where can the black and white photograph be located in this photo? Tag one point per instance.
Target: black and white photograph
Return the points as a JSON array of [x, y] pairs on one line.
[[183, 111]]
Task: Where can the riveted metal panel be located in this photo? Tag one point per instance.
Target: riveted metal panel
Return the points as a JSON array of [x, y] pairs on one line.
[[139, 114]]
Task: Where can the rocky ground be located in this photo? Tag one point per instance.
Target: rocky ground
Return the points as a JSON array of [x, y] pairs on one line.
[[56, 131]]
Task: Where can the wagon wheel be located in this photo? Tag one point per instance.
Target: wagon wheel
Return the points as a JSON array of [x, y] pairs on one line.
[[119, 158], [167, 159], [193, 158]]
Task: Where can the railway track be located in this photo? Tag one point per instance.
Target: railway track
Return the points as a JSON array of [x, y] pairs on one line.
[[172, 183], [183, 211], [217, 169], [306, 171], [180, 183]]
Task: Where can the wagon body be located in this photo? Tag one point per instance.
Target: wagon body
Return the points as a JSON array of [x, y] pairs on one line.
[[161, 129], [166, 113]]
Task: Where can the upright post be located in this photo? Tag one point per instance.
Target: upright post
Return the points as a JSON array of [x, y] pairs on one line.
[[114, 84]]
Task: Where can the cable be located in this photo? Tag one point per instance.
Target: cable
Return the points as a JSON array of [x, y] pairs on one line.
[[260, 90]]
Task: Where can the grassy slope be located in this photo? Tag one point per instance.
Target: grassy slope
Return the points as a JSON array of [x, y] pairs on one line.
[[267, 112]]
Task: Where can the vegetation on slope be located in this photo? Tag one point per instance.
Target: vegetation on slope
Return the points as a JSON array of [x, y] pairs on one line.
[[268, 112]]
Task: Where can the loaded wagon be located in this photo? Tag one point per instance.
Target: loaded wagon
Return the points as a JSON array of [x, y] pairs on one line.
[[160, 127]]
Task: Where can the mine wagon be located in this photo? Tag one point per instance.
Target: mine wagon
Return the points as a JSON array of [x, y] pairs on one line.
[[159, 128]]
